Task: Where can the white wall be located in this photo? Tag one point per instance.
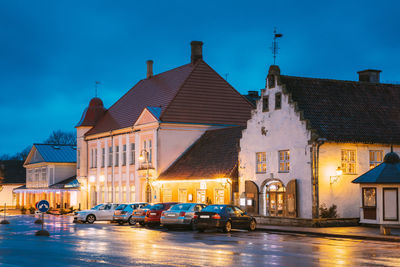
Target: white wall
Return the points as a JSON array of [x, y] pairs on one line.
[[285, 131], [62, 172], [6, 195]]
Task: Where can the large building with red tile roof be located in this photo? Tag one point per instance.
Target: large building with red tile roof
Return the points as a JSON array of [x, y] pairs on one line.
[[122, 150]]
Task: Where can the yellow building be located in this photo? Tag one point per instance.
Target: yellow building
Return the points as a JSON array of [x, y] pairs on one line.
[[206, 172]]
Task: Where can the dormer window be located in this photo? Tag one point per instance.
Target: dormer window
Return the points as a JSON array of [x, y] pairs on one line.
[[271, 81], [278, 101]]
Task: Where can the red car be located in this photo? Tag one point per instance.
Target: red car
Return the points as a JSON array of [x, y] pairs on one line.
[[154, 211]]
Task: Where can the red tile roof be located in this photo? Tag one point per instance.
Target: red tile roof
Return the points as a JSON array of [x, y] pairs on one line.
[[213, 155], [192, 93]]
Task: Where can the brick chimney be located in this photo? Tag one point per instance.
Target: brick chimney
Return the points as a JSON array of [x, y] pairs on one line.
[[197, 51], [371, 76], [149, 69]]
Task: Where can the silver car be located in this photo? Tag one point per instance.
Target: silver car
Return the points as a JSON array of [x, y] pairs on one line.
[[123, 214], [181, 215]]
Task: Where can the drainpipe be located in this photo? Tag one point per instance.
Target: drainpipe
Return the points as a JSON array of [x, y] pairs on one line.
[[112, 167], [315, 176]]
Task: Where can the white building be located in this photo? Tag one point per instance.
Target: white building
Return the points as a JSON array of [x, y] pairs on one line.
[[12, 175], [309, 138]]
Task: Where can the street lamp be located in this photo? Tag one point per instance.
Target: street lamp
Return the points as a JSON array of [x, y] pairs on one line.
[[144, 155]]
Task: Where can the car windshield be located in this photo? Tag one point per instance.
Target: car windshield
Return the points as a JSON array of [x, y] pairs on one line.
[[121, 207], [97, 207], [155, 207], [214, 208], [181, 207]]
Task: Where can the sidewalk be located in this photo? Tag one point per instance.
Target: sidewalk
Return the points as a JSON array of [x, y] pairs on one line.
[[354, 232]]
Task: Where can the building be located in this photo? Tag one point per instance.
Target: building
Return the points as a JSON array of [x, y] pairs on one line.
[[123, 149], [12, 175], [50, 175], [379, 192], [309, 138]]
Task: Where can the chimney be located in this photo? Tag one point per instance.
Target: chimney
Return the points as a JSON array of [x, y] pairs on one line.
[[197, 51], [149, 68], [370, 76]]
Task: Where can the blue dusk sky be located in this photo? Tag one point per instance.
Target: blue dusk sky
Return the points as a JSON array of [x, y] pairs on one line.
[[52, 52]]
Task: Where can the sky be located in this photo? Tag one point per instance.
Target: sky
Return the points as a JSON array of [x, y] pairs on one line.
[[52, 52]]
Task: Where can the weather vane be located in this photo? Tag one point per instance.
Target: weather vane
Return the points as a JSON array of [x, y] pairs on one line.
[[275, 44], [96, 85]]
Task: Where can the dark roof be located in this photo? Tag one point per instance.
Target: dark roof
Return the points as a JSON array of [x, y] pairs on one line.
[[192, 93], [347, 111], [12, 172], [213, 155], [92, 113], [387, 172], [56, 153]]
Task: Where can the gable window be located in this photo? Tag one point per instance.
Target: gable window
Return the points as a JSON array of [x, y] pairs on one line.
[[132, 154], [110, 156], [284, 161], [349, 161], [265, 104], [261, 162], [116, 156], [103, 157], [278, 101], [124, 155], [375, 158]]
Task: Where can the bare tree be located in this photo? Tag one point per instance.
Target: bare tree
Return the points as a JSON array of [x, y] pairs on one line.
[[61, 138]]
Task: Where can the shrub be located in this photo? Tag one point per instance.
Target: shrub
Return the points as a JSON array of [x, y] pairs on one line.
[[23, 210], [330, 212], [32, 210]]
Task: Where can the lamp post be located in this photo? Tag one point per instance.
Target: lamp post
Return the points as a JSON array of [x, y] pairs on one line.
[[144, 155]]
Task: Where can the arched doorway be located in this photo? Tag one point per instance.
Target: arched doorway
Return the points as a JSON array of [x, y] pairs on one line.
[[251, 197], [275, 193]]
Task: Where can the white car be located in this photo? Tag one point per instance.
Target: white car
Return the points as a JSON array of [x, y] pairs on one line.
[[101, 212]]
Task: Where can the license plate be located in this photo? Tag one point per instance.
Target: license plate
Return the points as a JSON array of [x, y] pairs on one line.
[[171, 215], [204, 216], [153, 213]]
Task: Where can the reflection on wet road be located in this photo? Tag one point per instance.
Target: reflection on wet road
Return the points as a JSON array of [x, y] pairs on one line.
[[107, 244]]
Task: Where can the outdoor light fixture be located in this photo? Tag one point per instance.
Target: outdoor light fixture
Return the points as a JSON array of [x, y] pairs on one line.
[[101, 178], [334, 179], [92, 179]]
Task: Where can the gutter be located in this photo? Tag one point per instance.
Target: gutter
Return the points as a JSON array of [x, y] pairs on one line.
[[315, 175]]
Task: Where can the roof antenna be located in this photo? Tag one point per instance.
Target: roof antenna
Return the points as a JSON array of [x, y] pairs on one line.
[[275, 47], [226, 76], [96, 85], [391, 148]]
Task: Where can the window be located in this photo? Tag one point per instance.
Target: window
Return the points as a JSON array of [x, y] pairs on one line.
[[95, 158], [375, 158], [284, 161], [116, 156], [44, 176], [78, 161], [150, 152], [265, 104], [132, 154], [103, 157], [110, 156], [349, 161], [124, 155], [261, 162], [369, 197], [278, 100], [91, 158]]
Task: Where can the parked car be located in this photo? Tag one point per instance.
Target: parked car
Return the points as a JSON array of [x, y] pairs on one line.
[[101, 212], [224, 217], [181, 215], [123, 213], [139, 214], [154, 211]]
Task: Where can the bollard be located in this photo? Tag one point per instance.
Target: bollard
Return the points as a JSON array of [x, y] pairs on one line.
[[4, 221]]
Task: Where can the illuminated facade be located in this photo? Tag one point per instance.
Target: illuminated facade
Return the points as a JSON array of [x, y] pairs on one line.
[[50, 175], [123, 150], [309, 138]]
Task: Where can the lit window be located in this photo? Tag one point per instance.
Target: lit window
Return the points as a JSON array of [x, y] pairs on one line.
[[349, 161], [369, 197], [284, 161], [375, 158], [261, 162]]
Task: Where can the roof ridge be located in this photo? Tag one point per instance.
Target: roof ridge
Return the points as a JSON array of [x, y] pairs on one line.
[[35, 144], [337, 80]]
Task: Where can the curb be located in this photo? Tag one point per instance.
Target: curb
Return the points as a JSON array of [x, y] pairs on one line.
[[360, 237]]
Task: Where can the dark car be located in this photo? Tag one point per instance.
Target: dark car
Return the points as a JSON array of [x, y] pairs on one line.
[[154, 211], [224, 217]]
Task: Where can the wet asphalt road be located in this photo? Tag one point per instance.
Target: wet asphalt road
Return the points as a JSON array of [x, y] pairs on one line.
[[103, 244]]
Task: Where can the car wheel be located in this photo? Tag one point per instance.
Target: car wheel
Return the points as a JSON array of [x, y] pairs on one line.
[[121, 222], [131, 221], [252, 225], [192, 226], [227, 227], [90, 218]]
